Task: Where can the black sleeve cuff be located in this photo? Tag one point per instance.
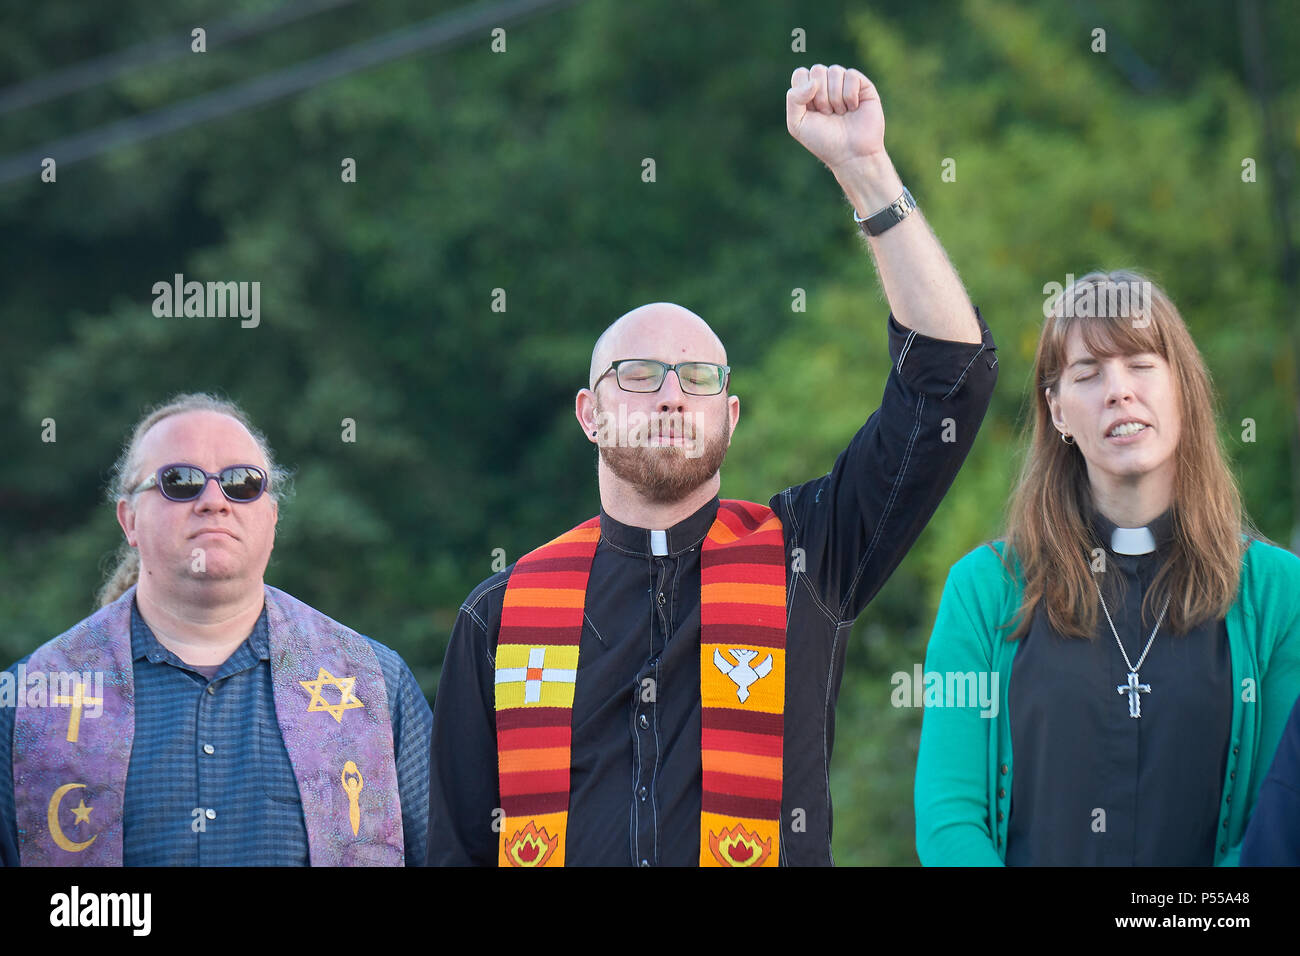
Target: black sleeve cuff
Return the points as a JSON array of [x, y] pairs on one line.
[[939, 366]]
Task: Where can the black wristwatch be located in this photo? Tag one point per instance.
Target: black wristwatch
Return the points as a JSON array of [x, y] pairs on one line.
[[891, 215]]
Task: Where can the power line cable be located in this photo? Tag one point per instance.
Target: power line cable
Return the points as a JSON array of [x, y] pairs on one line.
[[437, 32], [110, 66]]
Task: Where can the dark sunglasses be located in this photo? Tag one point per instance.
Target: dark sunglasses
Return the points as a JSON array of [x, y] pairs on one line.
[[181, 482]]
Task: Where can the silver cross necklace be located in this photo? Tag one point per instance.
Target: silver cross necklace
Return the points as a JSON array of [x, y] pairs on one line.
[[1133, 687]]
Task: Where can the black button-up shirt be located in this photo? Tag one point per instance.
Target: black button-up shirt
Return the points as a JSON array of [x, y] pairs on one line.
[[1094, 786], [635, 781]]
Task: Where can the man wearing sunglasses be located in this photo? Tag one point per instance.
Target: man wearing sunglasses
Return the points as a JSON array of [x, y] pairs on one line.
[[657, 685], [209, 719]]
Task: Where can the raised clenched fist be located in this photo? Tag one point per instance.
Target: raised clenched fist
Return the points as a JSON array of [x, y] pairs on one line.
[[835, 113]]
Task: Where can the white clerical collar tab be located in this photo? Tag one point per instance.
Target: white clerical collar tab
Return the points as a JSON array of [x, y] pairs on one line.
[[659, 543], [1132, 541]]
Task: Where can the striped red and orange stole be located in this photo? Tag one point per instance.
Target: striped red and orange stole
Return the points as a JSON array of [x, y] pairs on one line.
[[742, 690]]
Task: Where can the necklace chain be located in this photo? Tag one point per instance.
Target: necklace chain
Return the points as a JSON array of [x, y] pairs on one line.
[[1132, 668]]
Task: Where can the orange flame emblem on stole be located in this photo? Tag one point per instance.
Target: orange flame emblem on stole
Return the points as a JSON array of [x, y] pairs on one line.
[[530, 846], [736, 846]]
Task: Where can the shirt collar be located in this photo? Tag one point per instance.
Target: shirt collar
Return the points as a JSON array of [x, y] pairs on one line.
[[1155, 536], [684, 536], [145, 645]]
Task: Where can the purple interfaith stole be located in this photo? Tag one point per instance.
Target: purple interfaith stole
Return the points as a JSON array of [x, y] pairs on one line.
[[330, 702]]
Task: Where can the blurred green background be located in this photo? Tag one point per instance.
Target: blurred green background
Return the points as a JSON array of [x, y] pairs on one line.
[[522, 171]]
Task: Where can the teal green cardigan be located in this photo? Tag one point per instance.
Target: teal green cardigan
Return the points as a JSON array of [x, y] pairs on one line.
[[965, 766]]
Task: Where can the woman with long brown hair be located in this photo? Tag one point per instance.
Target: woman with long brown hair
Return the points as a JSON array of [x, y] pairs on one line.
[[1141, 640]]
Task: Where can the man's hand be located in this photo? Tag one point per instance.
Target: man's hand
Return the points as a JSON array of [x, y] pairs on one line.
[[836, 114]]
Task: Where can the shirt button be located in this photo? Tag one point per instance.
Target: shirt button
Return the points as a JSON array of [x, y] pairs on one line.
[[212, 688], [645, 722], [209, 749], [999, 816], [662, 600], [1233, 775], [1225, 824], [1004, 770], [1235, 749], [645, 862], [999, 841], [643, 791], [1230, 798], [211, 814], [1001, 793]]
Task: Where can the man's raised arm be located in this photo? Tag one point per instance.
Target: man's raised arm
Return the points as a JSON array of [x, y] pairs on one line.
[[836, 114]]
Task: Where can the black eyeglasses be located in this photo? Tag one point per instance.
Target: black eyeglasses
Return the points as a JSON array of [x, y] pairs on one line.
[[182, 482], [647, 375]]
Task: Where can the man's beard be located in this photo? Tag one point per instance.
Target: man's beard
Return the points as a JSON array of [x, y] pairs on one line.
[[667, 473]]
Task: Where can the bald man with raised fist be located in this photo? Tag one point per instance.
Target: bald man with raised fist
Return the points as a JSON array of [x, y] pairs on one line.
[[657, 685]]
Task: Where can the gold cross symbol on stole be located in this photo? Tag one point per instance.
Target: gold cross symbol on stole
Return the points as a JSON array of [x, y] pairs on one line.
[[76, 700]]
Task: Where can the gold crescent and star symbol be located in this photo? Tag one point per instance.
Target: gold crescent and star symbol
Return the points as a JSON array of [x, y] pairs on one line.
[[347, 699], [81, 812], [352, 784]]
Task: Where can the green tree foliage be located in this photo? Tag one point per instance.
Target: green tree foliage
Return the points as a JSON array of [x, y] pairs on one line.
[[523, 171]]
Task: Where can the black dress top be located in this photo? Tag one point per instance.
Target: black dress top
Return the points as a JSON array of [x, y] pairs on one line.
[[1094, 786]]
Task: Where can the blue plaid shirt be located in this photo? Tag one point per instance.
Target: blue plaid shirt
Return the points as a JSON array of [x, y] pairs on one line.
[[244, 786]]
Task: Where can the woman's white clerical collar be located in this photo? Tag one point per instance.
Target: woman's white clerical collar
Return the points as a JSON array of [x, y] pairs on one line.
[[1132, 541]]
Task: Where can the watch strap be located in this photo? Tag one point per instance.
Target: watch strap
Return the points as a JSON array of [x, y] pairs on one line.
[[890, 216]]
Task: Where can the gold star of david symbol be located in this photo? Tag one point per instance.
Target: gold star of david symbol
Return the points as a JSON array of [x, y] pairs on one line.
[[347, 699]]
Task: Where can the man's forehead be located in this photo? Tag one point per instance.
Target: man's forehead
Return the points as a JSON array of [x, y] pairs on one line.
[[661, 331], [199, 435]]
